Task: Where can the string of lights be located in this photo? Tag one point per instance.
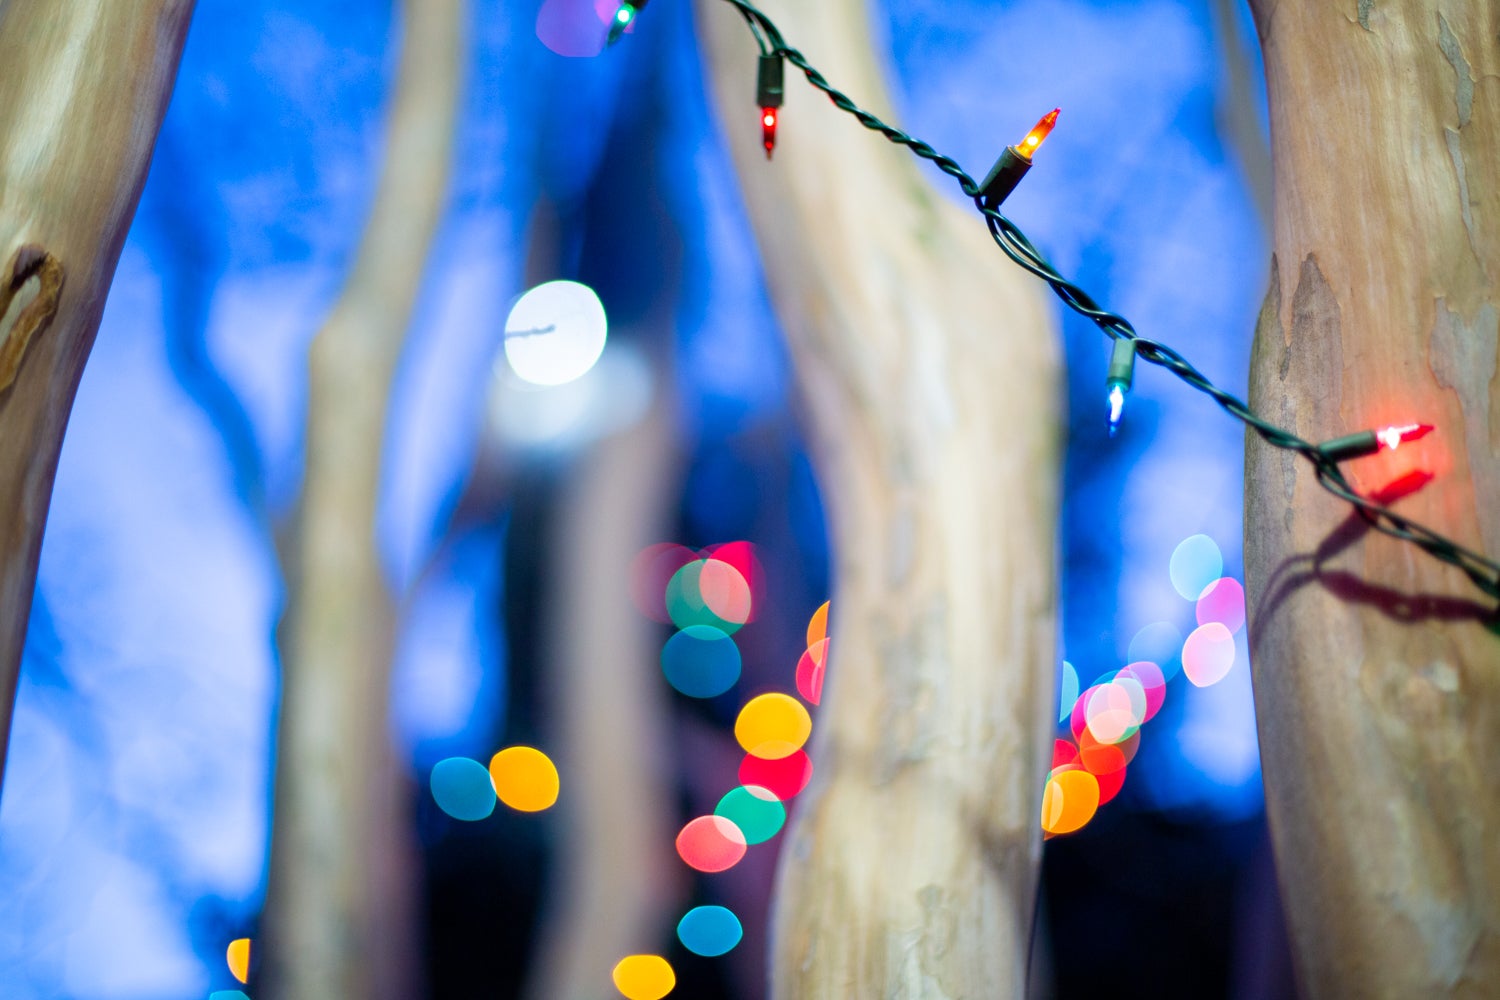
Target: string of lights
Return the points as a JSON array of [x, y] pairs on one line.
[[1128, 344]]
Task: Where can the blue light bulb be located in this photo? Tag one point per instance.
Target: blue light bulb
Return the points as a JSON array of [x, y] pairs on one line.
[[1116, 406]]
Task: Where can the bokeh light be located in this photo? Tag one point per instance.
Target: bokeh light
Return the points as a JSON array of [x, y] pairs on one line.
[[810, 671], [817, 626], [1078, 721], [651, 571], [1052, 801], [756, 811], [560, 420], [570, 28], [524, 778], [1068, 690], [228, 995], [743, 558], [1153, 684], [1196, 563], [1063, 752], [1070, 800], [1105, 719], [701, 661], [687, 603], [1115, 710], [1110, 784], [772, 726], [1223, 602], [555, 333], [238, 953], [644, 977], [1159, 643], [784, 777], [462, 788], [607, 10], [725, 591], [709, 931], [1099, 758], [1208, 654], [711, 844]]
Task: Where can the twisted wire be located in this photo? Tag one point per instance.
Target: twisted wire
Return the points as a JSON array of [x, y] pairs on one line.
[[1483, 571]]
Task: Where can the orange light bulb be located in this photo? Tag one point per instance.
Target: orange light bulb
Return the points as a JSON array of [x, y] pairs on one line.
[[1038, 134]]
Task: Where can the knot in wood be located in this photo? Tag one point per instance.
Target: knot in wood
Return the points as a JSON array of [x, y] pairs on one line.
[[30, 261]]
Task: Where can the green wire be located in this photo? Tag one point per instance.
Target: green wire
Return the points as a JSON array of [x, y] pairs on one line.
[[1483, 571]]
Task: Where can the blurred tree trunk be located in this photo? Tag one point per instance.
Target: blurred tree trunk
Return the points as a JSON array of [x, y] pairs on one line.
[[929, 371], [84, 85], [607, 701], [339, 918], [1377, 682]]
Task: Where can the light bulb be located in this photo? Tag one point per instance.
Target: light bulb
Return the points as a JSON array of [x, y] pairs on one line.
[[1039, 133], [1365, 443], [1116, 407], [621, 21], [1119, 378], [1394, 437], [1014, 162]]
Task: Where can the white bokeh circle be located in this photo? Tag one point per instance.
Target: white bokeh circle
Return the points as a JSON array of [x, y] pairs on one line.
[[555, 333]]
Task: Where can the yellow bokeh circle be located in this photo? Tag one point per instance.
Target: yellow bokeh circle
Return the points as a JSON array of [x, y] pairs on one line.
[[238, 956], [817, 628], [524, 778], [773, 726], [1069, 801], [644, 977]]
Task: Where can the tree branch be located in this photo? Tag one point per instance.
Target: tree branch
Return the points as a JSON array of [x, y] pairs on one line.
[[83, 88], [339, 907]]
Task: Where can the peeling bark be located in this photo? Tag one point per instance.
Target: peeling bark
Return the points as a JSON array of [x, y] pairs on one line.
[[1377, 672]]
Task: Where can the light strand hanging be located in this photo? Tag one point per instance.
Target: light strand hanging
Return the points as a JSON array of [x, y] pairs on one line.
[[987, 196], [1483, 571]]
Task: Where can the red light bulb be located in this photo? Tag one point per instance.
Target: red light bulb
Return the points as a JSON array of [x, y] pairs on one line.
[[768, 129], [1393, 437], [1370, 442]]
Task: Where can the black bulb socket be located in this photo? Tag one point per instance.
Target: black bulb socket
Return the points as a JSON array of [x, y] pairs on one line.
[[770, 81], [1350, 446], [1003, 177]]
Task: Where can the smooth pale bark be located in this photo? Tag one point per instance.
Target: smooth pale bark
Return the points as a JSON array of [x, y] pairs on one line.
[[83, 88], [615, 865], [1377, 682], [339, 918], [929, 371]]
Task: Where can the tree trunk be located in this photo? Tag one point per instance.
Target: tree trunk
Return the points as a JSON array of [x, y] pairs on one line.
[[1377, 681], [339, 910], [83, 88], [929, 370], [608, 705]]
